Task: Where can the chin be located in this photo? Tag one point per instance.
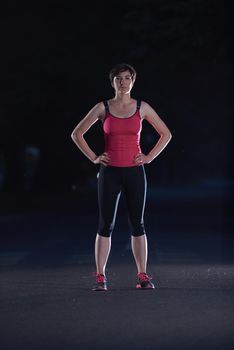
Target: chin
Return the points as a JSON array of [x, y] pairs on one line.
[[124, 92]]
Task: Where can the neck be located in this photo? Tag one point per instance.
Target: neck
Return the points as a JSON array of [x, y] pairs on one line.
[[122, 98]]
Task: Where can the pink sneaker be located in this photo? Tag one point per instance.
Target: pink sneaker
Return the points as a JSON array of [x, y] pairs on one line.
[[144, 281], [101, 284]]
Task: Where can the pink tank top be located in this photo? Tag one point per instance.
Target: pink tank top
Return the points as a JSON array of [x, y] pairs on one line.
[[122, 137]]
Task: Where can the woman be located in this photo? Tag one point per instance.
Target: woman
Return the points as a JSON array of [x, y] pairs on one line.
[[121, 168]]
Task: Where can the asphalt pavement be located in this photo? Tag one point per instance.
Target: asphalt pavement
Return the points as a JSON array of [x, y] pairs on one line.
[[46, 265]]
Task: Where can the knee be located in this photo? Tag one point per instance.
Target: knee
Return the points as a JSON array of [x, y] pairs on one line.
[[105, 230], [137, 234], [138, 229], [106, 234]]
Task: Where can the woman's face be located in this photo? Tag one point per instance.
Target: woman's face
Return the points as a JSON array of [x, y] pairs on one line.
[[123, 83]]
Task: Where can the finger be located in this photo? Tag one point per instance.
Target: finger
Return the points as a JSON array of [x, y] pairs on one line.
[[104, 160], [138, 158], [105, 155], [104, 163]]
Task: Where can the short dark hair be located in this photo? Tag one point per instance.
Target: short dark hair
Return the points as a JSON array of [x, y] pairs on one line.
[[121, 67]]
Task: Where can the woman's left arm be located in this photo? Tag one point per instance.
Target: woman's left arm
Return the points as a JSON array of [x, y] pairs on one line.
[[149, 114]]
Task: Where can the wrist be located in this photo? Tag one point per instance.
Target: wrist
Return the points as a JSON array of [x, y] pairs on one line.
[[93, 159], [149, 158]]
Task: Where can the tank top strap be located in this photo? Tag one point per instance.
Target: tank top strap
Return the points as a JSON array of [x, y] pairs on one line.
[[138, 105], [106, 106]]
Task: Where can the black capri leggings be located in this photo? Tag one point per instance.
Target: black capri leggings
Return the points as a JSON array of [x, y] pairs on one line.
[[111, 182]]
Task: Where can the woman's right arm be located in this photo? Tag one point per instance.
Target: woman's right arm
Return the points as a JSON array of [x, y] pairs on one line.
[[82, 127]]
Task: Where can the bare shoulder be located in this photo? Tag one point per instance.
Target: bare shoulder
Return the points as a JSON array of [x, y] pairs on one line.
[[150, 115], [147, 111], [98, 110], [96, 113], [101, 109]]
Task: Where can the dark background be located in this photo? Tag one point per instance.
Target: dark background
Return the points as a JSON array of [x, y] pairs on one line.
[[55, 59]]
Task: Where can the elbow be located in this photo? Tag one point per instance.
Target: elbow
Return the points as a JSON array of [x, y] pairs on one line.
[[169, 136], [166, 135], [74, 135]]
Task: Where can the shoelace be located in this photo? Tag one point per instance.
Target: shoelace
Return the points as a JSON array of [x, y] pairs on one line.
[[143, 277], [99, 278]]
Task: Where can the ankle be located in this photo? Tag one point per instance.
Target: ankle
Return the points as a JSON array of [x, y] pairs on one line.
[[100, 273]]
